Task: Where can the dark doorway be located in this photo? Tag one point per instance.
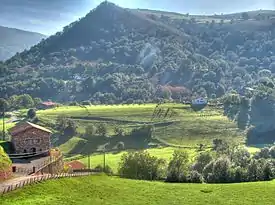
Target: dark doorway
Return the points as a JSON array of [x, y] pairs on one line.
[[33, 150]]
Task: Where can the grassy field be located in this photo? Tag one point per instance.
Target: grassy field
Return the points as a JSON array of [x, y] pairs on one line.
[[113, 159], [102, 190], [187, 127]]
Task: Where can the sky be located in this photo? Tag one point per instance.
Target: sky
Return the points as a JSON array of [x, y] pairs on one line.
[[50, 16]]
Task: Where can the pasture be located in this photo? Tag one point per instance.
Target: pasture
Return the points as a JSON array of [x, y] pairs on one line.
[[185, 127], [105, 190]]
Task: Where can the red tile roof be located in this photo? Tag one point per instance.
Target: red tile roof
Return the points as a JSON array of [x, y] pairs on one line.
[[48, 103], [76, 165]]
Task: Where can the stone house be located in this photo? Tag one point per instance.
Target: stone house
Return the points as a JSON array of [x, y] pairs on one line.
[[30, 138]]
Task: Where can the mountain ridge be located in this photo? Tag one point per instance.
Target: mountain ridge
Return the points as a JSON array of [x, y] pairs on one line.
[[13, 40], [115, 55]]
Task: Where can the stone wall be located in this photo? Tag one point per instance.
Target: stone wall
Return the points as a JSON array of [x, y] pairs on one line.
[[5, 174], [55, 167], [27, 141]]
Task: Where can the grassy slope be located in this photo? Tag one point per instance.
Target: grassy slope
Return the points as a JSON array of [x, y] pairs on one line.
[[106, 190], [113, 159], [193, 127]]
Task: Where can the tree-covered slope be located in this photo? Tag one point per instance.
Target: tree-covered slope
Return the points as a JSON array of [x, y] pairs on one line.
[[15, 40], [115, 54]]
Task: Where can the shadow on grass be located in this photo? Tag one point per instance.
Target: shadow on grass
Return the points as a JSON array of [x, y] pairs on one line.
[[97, 143]]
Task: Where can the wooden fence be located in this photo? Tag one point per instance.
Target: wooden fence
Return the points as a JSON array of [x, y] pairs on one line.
[[38, 179]]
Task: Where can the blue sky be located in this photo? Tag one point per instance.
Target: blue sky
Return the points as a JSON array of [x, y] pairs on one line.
[[50, 16]]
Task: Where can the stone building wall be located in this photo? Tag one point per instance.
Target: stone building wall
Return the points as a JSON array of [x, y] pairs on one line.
[[30, 139]]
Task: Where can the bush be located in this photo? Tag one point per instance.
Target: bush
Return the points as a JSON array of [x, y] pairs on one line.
[[263, 153], [98, 168], [195, 177], [201, 161], [90, 130], [141, 165], [108, 170], [178, 167], [240, 174], [73, 104], [86, 103], [221, 170], [208, 170], [118, 131], [120, 146], [31, 113], [101, 129], [272, 152]]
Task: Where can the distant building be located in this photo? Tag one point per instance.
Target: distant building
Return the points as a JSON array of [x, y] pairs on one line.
[[30, 138], [76, 165], [46, 105]]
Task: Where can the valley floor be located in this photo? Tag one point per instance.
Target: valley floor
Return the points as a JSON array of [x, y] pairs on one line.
[[105, 190]]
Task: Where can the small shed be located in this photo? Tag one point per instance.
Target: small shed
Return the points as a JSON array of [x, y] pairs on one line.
[[30, 138]]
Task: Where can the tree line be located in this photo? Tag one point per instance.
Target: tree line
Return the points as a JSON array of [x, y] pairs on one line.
[[223, 164]]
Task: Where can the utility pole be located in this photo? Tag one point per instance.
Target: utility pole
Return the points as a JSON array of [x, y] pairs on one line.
[[89, 162], [4, 128], [104, 160]]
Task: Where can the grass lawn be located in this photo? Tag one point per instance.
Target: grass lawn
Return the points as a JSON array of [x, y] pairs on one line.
[[103, 190]]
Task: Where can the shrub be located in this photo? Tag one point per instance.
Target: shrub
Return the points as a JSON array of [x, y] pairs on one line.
[[101, 129], [90, 130], [86, 103], [120, 146], [272, 152], [208, 170], [118, 131], [195, 177], [73, 104], [254, 171], [98, 168], [178, 167], [201, 161], [263, 153], [240, 174], [108, 170], [31, 113], [221, 170], [141, 165]]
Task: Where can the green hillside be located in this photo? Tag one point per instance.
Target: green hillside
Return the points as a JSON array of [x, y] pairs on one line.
[[185, 128], [125, 55], [110, 190]]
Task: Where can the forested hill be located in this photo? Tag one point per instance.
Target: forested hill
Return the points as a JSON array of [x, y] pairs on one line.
[[14, 40], [115, 54]]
